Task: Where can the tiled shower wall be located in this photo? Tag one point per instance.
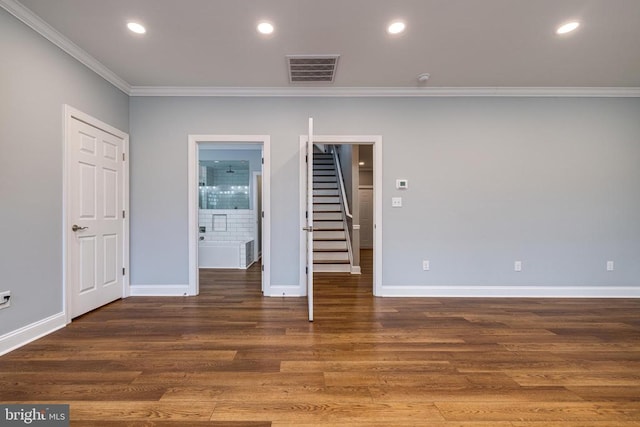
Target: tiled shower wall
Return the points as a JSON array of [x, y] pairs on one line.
[[222, 190], [240, 224]]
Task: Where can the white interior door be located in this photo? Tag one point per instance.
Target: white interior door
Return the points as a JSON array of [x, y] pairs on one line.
[[95, 217], [309, 225]]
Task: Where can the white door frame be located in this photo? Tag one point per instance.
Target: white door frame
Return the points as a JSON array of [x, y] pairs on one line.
[[254, 183], [363, 187], [69, 114], [194, 142], [376, 141]]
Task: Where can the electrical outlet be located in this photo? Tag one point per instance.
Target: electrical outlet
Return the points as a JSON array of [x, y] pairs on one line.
[[425, 265], [5, 299], [517, 266], [609, 265]]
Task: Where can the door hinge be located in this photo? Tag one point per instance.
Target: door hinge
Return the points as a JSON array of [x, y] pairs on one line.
[[263, 160], [306, 158], [123, 157], [262, 267], [306, 270], [123, 271], [262, 214], [123, 214], [306, 214]]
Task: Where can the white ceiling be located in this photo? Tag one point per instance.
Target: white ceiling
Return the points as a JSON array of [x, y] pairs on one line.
[[461, 43]]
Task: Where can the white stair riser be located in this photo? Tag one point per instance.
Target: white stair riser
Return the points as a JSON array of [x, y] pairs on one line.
[[327, 216], [330, 245], [326, 208], [328, 225], [326, 200], [331, 268], [331, 257], [317, 179], [325, 185], [329, 235], [326, 192]]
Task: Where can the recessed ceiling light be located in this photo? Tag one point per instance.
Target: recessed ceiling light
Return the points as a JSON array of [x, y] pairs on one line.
[[396, 27], [568, 27], [136, 28], [265, 28]]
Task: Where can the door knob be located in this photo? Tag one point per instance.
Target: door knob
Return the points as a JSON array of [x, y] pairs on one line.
[[76, 228]]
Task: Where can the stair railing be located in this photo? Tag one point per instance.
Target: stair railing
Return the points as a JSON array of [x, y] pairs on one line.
[[344, 202], [343, 192]]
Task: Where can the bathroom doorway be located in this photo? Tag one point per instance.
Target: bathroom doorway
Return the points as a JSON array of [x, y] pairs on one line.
[[228, 205]]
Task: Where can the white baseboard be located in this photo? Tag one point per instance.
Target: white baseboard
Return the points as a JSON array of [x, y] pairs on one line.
[[159, 290], [511, 291], [286, 291], [15, 339]]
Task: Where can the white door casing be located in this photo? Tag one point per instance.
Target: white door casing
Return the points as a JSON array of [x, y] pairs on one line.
[[365, 200], [257, 207], [96, 199]]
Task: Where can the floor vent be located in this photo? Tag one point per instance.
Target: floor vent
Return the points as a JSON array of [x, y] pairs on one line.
[[312, 68]]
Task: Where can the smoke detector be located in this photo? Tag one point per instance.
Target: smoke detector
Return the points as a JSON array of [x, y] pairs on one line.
[[312, 68], [424, 77]]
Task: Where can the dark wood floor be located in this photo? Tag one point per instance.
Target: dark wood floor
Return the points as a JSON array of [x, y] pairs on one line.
[[233, 358]]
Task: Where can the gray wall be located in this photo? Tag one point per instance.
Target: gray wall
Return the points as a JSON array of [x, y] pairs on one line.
[[345, 154], [552, 182], [36, 79]]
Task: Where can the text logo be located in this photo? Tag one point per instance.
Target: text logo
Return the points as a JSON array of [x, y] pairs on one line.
[[34, 415]]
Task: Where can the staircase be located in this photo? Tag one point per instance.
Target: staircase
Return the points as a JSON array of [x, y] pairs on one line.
[[330, 250]]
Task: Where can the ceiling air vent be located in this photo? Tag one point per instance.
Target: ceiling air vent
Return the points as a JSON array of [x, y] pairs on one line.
[[312, 68]]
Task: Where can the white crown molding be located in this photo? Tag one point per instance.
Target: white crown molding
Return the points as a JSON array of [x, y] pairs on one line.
[[594, 92], [47, 31]]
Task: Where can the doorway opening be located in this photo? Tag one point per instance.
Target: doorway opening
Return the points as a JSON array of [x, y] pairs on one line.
[[229, 205], [357, 188]]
